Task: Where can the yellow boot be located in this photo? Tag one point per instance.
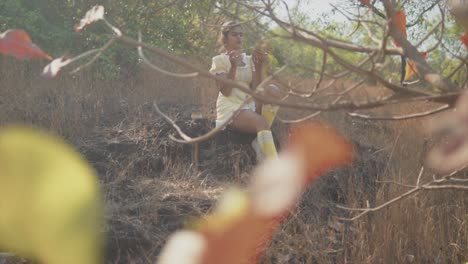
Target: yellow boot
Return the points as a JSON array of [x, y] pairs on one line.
[[266, 143], [269, 113]]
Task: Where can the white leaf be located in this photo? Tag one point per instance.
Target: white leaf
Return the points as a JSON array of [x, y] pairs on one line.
[[94, 14], [183, 247], [277, 184], [52, 69]]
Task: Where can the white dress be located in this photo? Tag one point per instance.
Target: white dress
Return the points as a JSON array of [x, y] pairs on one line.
[[226, 105]]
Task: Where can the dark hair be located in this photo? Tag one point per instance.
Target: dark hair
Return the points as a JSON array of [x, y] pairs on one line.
[[225, 28]]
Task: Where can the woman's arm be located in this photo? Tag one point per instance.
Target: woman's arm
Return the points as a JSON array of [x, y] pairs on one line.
[[234, 56]]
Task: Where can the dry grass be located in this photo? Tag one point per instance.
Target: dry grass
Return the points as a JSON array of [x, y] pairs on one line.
[[151, 189]]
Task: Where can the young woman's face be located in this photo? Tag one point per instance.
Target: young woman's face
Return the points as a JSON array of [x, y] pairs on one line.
[[234, 38]]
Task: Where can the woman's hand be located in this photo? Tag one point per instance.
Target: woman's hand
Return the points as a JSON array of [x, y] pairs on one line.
[[235, 57]]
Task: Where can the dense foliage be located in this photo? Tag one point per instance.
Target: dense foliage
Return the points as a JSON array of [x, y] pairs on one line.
[[190, 28]]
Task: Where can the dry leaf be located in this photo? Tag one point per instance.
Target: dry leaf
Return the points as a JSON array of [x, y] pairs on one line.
[[53, 68], [17, 43], [94, 14]]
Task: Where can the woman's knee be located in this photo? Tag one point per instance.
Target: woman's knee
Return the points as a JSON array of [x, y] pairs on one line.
[[249, 121], [261, 124]]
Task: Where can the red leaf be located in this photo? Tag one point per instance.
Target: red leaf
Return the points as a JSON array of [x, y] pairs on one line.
[[94, 14], [464, 39], [366, 2], [17, 43]]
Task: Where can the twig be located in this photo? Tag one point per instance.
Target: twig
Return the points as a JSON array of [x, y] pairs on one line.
[[189, 140], [332, 43], [442, 28], [294, 121], [410, 51], [269, 78], [401, 117], [337, 99], [397, 183], [324, 65], [408, 25], [114, 29], [419, 187], [152, 66], [449, 96], [418, 181], [98, 54], [365, 211], [463, 63]]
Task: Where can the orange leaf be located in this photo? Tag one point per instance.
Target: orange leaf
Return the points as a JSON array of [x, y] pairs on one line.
[[321, 146], [243, 223], [464, 39], [17, 43], [276, 187], [399, 19]]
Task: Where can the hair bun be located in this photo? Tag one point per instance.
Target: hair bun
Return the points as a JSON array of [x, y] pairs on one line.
[[228, 25]]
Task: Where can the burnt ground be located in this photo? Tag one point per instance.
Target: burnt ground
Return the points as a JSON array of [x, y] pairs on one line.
[[152, 188]]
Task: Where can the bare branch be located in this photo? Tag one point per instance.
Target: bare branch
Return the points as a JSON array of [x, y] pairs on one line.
[[429, 33], [152, 66], [401, 117], [442, 28], [319, 41], [463, 63], [365, 211], [337, 99], [416, 189], [458, 180], [98, 54], [431, 76], [260, 87], [447, 186], [295, 121], [397, 183], [114, 29], [345, 91], [418, 181], [408, 25], [189, 140], [447, 97], [324, 64]]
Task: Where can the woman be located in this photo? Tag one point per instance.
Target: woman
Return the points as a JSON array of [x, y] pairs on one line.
[[234, 64]]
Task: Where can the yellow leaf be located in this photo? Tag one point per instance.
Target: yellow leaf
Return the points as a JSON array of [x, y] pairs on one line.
[[50, 202], [410, 68], [232, 206]]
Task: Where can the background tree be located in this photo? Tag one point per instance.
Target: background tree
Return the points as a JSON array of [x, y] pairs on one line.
[[338, 58]]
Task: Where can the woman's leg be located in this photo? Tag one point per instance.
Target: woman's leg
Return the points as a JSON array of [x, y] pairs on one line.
[[251, 122]]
